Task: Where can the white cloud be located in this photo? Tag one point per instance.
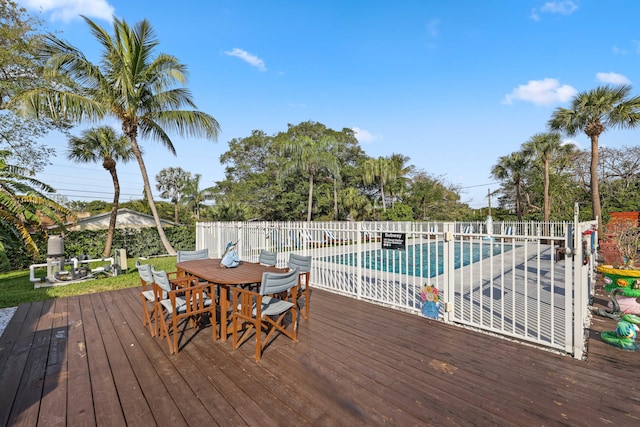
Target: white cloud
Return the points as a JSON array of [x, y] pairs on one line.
[[563, 7], [541, 92], [618, 51], [571, 142], [613, 78], [364, 136], [250, 59], [67, 10]]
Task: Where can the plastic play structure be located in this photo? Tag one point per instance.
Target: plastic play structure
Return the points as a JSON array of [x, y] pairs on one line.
[[64, 271], [619, 283]]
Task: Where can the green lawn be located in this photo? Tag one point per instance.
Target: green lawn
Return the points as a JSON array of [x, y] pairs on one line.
[[15, 286]]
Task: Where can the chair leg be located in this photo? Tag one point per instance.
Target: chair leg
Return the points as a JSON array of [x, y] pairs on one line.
[[146, 316], [307, 302], [145, 311], [258, 345], [174, 349]]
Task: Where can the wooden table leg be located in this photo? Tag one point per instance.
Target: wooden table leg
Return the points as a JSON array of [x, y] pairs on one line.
[[224, 306]]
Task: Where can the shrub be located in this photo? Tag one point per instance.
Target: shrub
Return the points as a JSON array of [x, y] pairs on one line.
[[138, 243]]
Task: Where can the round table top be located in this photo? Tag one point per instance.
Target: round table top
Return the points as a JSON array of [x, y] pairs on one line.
[[210, 270]]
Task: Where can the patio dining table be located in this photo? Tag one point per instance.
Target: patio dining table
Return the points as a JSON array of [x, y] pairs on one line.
[[210, 270]]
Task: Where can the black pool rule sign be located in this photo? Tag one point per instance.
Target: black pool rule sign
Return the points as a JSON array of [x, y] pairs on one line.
[[396, 241]]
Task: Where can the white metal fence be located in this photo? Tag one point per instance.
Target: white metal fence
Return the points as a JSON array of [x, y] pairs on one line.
[[513, 279]]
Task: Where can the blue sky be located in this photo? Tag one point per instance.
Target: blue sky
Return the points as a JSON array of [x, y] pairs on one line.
[[454, 85]]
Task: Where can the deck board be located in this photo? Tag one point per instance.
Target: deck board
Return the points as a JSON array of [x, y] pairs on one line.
[[89, 361]]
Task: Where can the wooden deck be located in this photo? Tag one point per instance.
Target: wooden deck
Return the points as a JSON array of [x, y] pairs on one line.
[[88, 361]]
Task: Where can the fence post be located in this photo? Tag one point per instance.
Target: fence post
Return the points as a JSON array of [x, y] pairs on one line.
[[579, 281], [448, 252]]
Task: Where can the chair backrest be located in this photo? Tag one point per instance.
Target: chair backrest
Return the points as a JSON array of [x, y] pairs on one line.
[[161, 279], [274, 283], [191, 255], [299, 262], [144, 270], [268, 258]]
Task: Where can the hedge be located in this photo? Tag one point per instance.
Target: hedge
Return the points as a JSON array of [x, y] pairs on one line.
[[138, 243]]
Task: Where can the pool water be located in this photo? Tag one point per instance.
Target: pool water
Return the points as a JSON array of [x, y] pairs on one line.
[[426, 260]]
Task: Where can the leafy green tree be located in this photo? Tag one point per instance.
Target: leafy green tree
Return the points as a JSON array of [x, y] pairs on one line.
[[593, 112], [23, 204], [357, 206], [309, 157], [251, 169], [104, 145], [431, 199], [398, 212], [511, 170], [171, 183], [130, 83], [96, 207], [20, 37]]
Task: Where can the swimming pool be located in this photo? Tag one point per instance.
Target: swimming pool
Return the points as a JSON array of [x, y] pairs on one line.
[[425, 260]]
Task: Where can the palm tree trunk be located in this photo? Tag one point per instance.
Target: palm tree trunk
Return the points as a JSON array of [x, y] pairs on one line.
[[518, 202], [310, 202], [114, 213], [547, 205], [131, 133], [175, 212], [384, 203], [595, 192]]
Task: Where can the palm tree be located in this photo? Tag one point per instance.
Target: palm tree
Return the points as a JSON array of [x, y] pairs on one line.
[[512, 168], [309, 157], [171, 184], [103, 144], [593, 112], [193, 197], [545, 146], [23, 204], [379, 171], [399, 172], [130, 83]]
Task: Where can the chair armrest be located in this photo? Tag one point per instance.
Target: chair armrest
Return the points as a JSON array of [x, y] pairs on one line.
[[182, 282], [243, 301]]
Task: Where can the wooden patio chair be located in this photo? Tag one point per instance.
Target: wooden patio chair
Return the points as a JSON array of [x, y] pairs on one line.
[[251, 312], [186, 304], [192, 255], [147, 296], [302, 264], [268, 258]]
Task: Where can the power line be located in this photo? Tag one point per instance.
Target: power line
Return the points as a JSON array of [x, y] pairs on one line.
[[480, 185]]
